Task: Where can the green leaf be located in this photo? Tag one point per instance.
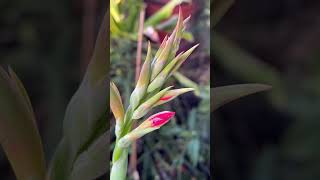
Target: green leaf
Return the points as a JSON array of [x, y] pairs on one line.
[[226, 94], [61, 162], [93, 162], [194, 151], [163, 13], [220, 7], [87, 109], [247, 67], [19, 136], [187, 82]]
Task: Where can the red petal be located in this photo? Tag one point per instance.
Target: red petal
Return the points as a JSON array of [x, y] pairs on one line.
[[164, 98]]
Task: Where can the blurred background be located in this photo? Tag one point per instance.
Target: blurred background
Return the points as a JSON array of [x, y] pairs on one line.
[[181, 149], [273, 135], [48, 44]]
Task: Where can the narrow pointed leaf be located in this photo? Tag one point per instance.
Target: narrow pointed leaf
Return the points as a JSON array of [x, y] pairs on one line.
[[87, 109], [220, 7], [163, 13], [145, 107], [94, 162], [19, 136], [226, 94]]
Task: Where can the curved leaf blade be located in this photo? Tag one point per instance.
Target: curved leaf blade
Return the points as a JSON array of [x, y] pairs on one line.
[[19, 135], [220, 8], [93, 162], [87, 109], [225, 94]]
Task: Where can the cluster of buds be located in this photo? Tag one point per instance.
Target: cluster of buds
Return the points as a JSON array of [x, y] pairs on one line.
[[149, 91], [155, 71]]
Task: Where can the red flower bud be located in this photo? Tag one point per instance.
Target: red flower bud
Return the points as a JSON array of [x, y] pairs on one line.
[[161, 118]]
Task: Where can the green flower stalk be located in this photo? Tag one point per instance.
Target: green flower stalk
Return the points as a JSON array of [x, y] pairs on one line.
[[148, 93]]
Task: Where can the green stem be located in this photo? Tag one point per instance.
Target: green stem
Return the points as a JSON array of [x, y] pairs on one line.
[[120, 166], [120, 155]]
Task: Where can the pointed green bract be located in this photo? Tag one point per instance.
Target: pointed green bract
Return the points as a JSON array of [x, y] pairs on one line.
[[145, 107], [162, 76], [170, 69], [163, 58], [183, 58], [116, 103], [143, 81], [116, 107]]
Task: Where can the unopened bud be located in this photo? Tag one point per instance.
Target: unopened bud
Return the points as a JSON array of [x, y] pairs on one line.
[[171, 94], [152, 123], [116, 103], [145, 107], [143, 81]]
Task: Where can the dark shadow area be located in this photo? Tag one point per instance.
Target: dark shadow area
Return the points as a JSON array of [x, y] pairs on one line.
[[272, 135]]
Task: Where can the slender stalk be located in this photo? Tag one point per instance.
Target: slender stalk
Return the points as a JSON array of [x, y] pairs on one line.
[[133, 156]]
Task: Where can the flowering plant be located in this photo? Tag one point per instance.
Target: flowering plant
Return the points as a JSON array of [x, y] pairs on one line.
[[148, 93]]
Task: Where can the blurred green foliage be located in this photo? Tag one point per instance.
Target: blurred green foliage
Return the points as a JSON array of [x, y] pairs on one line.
[[289, 114]]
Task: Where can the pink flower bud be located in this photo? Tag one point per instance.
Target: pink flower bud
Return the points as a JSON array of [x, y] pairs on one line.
[[154, 122], [161, 118], [170, 95]]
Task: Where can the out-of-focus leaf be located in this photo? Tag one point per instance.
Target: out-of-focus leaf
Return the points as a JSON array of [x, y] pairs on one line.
[[188, 36], [192, 117], [265, 165], [220, 7], [87, 107], [249, 68], [169, 24], [93, 162], [114, 11], [19, 135], [226, 94], [194, 150], [163, 13], [187, 82], [61, 162]]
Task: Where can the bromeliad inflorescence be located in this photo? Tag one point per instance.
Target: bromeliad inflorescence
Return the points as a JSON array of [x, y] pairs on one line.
[[148, 93]]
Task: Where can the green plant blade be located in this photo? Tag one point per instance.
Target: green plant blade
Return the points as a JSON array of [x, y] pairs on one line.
[[220, 7], [60, 163], [93, 162], [19, 135], [85, 117], [187, 82], [91, 99], [163, 13], [249, 68], [225, 94]]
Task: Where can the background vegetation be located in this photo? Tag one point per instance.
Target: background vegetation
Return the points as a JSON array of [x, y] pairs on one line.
[[273, 135]]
